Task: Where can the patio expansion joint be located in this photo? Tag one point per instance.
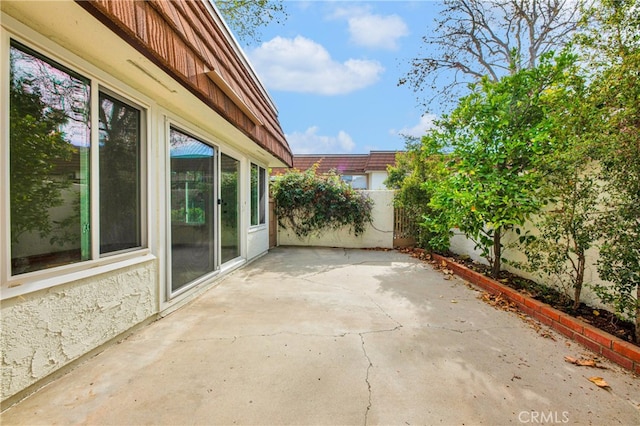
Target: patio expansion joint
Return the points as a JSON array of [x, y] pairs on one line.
[[470, 330], [234, 338]]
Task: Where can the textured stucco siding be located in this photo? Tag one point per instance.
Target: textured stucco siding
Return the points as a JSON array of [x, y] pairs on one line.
[[44, 331], [377, 234]]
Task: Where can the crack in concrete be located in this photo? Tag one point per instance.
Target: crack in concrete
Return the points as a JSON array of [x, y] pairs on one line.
[[364, 350], [385, 313], [370, 364]]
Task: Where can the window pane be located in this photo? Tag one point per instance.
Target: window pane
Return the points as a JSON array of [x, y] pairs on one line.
[[192, 209], [120, 206], [263, 191], [229, 219], [254, 195], [49, 163]]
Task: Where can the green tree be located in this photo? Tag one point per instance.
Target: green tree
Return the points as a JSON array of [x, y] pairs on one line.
[[500, 135], [308, 203], [616, 94], [568, 227], [246, 17], [416, 171]]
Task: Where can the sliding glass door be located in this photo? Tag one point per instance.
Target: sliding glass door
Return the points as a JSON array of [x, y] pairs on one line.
[[192, 209], [229, 213]]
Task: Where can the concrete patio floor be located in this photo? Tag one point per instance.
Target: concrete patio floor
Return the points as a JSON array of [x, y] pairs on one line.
[[335, 336]]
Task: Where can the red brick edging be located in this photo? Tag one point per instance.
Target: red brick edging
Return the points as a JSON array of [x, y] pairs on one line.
[[617, 350]]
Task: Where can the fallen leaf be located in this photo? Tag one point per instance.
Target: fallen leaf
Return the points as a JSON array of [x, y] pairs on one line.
[[444, 263], [583, 362], [599, 381], [454, 301]]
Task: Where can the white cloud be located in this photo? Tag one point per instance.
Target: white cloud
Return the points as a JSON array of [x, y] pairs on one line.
[[302, 65], [420, 129], [371, 30], [310, 142], [377, 31]]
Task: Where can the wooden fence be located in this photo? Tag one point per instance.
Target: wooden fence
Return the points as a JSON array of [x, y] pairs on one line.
[[404, 229]]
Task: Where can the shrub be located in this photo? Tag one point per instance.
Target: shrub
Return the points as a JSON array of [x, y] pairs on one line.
[[308, 203]]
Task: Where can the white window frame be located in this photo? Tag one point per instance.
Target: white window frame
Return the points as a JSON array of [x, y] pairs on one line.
[[173, 122], [265, 201], [100, 81]]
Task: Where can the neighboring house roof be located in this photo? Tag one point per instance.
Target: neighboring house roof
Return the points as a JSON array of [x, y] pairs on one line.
[[379, 160], [190, 42], [345, 164]]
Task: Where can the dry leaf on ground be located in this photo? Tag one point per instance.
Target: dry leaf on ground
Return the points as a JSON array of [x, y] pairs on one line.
[[581, 362], [498, 301], [599, 381]]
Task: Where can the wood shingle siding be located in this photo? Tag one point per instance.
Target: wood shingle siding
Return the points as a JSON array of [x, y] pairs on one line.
[[184, 39]]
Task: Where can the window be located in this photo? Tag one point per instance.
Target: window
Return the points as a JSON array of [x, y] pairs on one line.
[[356, 181], [193, 200], [51, 189], [258, 195], [120, 175], [230, 208]]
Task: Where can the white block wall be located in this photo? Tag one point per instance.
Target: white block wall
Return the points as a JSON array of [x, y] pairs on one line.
[[378, 234]]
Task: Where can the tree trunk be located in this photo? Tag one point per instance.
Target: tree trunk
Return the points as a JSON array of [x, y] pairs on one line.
[[577, 286], [497, 254]]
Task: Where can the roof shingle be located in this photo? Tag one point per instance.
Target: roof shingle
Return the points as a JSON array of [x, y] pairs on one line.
[[345, 164]]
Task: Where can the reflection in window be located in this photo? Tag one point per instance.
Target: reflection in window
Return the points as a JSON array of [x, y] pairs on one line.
[[49, 163], [120, 198], [356, 181], [192, 207], [258, 195], [229, 214]]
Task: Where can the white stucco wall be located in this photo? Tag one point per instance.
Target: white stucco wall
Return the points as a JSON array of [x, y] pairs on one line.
[[378, 234], [46, 330], [257, 241], [376, 181], [462, 245]]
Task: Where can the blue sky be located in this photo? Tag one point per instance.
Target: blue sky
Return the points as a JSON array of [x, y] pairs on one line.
[[332, 69]]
